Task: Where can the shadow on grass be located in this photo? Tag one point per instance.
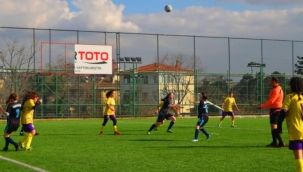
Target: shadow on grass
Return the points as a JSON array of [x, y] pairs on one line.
[[227, 147], [152, 140]]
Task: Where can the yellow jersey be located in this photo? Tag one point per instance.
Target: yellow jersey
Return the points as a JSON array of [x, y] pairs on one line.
[[27, 113], [228, 104], [294, 120], [110, 102]]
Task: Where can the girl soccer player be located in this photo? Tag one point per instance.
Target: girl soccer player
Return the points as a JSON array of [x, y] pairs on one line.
[[292, 108], [13, 112], [164, 114], [29, 104], [109, 112], [227, 107], [203, 117]]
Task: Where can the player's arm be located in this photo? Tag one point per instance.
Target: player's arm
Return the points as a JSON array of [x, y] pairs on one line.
[[237, 106], [223, 104], [285, 107], [3, 111], [160, 105], [273, 96], [174, 107]]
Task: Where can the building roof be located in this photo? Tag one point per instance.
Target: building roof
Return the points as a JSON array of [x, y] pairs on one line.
[[162, 67]]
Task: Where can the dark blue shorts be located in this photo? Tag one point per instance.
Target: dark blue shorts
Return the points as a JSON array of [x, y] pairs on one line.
[[163, 116], [203, 120]]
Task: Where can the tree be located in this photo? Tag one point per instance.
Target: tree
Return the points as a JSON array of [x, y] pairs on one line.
[[182, 76], [299, 66], [17, 61]]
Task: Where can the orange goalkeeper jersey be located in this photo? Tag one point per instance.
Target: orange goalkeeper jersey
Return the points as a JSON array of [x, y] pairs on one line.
[[275, 98]]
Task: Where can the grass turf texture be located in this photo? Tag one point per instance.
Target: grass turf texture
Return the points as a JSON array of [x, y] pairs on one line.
[[76, 146]]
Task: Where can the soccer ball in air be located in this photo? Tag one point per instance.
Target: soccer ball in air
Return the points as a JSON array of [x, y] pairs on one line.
[[168, 8]]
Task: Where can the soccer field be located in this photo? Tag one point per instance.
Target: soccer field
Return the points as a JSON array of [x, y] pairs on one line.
[[74, 145]]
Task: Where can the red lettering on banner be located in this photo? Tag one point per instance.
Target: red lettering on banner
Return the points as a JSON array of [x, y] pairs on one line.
[[89, 55]]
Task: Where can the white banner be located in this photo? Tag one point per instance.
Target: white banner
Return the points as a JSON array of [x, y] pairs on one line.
[[93, 59]]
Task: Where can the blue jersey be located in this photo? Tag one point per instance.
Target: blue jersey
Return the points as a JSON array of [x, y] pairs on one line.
[[202, 108], [165, 107], [14, 112]]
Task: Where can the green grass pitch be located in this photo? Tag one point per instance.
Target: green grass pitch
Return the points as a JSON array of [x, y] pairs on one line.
[[74, 145]]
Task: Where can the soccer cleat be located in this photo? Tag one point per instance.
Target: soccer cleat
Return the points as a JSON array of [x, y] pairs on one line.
[[36, 134], [281, 145], [16, 146], [233, 126], [101, 133], [272, 145], [117, 133], [148, 133], [22, 134], [195, 140], [208, 137], [218, 126], [5, 149], [29, 149], [169, 131], [21, 145]]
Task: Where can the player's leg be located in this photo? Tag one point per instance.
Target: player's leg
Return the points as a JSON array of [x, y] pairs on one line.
[[105, 119], [31, 132], [159, 124], [172, 122], [222, 118], [232, 115], [205, 120], [8, 139], [114, 119], [280, 121], [274, 117], [197, 128], [22, 132], [160, 118], [297, 147], [278, 129]]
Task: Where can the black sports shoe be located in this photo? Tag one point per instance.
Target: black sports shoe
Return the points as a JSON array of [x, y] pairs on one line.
[[36, 134], [5, 149], [16, 146], [22, 134], [272, 145]]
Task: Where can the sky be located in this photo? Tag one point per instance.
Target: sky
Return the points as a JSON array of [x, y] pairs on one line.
[[266, 19], [276, 19]]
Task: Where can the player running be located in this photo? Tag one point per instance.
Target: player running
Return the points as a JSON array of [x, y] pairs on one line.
[[164, 113], [13, 112]]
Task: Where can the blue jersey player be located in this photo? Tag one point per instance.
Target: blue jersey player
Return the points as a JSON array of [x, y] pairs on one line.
[[203, 118], [13, 110]]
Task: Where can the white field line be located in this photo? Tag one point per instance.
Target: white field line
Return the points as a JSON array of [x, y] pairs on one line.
[[23, 164]]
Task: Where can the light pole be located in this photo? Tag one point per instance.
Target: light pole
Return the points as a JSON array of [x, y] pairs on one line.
[[261, 66], [133, 79]]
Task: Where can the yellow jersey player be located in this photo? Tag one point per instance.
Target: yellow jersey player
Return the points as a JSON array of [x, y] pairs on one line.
[[109, 113], [227, 107], [292, 108]]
